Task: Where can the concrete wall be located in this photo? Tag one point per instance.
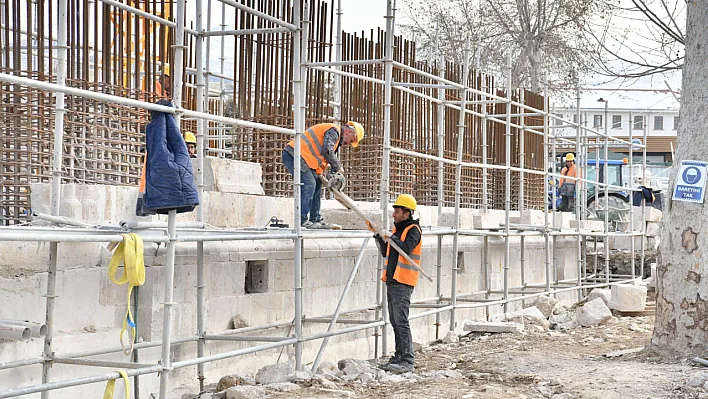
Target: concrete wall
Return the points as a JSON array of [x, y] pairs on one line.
[[90, 308]]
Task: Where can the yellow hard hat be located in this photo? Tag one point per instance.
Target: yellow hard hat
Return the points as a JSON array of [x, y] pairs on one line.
[[359, 132], [166, 70], [406, 201], [189, 137], [569, 157]]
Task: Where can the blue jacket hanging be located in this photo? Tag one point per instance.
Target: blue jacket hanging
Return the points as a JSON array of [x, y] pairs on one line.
[[169, 180]]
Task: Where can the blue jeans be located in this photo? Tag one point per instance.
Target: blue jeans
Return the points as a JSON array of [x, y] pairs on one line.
[[399, 303], [311, 191]]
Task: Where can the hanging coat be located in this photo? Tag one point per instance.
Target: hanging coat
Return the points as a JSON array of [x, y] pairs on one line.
[[169, 180]]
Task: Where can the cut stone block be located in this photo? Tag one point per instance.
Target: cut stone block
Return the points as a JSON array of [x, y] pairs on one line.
[[651, 214], [245, 392], [545, 305], [593, 313], [229, 176], [275, 373], [628, 298], [348, 219], [625, 242], [603, 293], [562, 219], [447, 219], [486, 221], [532, 217], [493, 327], [592, 225]]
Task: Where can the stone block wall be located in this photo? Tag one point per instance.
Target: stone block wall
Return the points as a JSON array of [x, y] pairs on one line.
[[90, 308]]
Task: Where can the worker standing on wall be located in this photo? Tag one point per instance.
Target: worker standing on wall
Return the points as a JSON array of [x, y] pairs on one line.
[[191, 140], [400, 278], [567, 186], [318, 148]]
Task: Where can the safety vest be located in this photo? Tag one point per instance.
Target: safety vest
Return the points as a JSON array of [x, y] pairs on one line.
[[569, 172], [405, 273], [312, 146]]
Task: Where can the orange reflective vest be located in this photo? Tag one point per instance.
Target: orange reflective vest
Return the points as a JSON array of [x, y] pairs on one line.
[[573, 171], [312, 146], [405, 272]]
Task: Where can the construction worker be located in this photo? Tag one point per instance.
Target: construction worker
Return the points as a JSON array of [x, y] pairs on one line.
[[567, 186], [191, 140], [400, 278], [318, 148], [163, 86]]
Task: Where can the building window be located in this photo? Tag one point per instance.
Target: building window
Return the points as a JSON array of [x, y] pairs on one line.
[[638, 122], [597, 121], [617, 121], [676, 121], [658, 123], [559, 121], [575, 118]]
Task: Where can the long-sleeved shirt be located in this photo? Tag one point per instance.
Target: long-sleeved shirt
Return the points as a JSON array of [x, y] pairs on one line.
[[412, 239], [330, 140]]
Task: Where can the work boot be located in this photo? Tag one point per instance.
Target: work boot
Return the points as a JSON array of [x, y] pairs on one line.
[[306, 224], [392, 360], [400, 368], [321, 225]]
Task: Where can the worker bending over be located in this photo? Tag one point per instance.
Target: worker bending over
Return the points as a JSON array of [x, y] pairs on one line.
[[401, 277], [567, 186], [318, 148]]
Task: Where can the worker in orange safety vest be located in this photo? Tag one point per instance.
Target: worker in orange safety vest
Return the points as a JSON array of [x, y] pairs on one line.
[[567, 186], [400, 278], [318, 149]]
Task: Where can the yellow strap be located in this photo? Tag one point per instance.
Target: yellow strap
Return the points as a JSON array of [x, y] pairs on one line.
[[130, 253], [111, 386]]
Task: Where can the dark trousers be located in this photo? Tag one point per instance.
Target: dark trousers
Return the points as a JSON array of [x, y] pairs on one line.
[[399, 303], [567, 204], [311, 191]]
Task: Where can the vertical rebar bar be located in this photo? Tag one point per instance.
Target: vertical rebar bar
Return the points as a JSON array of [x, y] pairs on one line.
[[458, 182], [57, 161], [337, 109], [507, 184]]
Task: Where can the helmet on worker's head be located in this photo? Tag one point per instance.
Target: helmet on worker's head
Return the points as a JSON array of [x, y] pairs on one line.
[[569, 157], [359, 130], [406, 201], [190, 138], [166, 70]]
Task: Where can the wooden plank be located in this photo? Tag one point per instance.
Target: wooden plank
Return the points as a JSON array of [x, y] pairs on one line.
[[349, 204]]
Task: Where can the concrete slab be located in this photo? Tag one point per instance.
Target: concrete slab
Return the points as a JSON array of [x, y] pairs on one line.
[[493, 327]]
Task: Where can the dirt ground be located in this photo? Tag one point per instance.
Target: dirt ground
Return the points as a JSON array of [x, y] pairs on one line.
[[550, 364]]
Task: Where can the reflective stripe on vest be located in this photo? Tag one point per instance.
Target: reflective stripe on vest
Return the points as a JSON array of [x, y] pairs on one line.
[[312, 146], [405, 273], [569, 172]]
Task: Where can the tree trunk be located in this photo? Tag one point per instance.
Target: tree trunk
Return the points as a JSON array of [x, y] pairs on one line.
[[682, 290]]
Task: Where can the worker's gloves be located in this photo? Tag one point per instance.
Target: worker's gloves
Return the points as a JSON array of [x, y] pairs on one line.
[[370, 227], [337, 180]]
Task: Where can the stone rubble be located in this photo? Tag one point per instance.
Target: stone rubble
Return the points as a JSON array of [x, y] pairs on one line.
[[593, 313]]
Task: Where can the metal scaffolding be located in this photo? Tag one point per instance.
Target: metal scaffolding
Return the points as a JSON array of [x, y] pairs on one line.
[[486, 109]]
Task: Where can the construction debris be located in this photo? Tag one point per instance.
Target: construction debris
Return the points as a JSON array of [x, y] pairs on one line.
[[493, 327], [593, 313]]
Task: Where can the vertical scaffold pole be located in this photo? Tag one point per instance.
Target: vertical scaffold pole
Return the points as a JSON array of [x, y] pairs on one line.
[[546, 247], [441, 174], [522, 165], [177, 87], [299, 119], [337, 109], [57, 161], [458, 182], [386, 160], [507, 191], [644, 215], [631, 202], [578, 199], [202, 125]]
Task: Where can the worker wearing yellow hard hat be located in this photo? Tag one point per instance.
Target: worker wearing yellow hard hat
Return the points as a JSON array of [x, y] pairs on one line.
[[191, 140], [567, 186], [401, 277], [318, 149]]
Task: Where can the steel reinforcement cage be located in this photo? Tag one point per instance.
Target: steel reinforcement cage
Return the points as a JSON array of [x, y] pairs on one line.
[[486, 146]]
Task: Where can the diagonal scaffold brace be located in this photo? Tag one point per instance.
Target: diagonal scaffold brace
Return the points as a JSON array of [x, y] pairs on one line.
[[349, 204]]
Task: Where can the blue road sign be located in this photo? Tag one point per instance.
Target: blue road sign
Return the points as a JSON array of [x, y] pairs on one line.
[[690, 182]]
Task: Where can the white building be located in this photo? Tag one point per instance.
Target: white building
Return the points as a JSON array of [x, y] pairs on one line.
[[657, 111]]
